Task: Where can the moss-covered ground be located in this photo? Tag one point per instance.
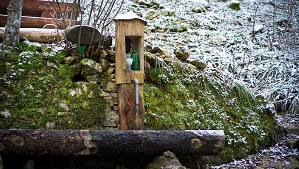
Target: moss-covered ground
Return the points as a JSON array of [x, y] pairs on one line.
[[178, 98]]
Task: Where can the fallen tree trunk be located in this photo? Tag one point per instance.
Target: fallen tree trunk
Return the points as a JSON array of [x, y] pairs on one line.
[[110, 142], [38, 34]]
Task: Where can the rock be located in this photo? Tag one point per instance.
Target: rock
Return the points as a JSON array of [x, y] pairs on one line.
[[151, 14], [68, 60], [111, 55], [168, 53], [110, 87], [50, 125], [167, 12], [87, 34], [103, 54], [111, 119], [52, 65], [181, 54], [64, 106], [168, 59], [234, 5], [199, 64], [93, 78], [158, 50], [167, 161], [111, 70], [90, 67], [200, 6], [148, 3], [76, 69], [105, 64], [149, 57], [258, 29], [149, 49], [192, 67]]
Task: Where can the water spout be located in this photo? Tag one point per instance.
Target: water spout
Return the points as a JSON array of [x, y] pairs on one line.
[[137, 103]]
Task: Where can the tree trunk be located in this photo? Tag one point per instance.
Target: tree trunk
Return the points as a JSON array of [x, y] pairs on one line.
[[12, 30], [110, 142]]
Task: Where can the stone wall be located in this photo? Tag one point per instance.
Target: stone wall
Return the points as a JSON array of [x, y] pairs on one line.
[[49, 89]]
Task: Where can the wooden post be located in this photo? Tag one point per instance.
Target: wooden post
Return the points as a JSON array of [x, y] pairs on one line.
[[129, 27]]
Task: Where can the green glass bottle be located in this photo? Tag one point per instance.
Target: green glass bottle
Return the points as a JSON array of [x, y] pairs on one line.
[[136, 60]]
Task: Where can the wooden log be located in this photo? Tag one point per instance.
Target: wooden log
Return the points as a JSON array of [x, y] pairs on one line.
[[36, 7], [38, 34], [78, 143], [37, 22]]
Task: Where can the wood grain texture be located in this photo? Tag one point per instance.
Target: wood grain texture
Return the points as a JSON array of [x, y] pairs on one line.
[[110, 143], [131, 116]]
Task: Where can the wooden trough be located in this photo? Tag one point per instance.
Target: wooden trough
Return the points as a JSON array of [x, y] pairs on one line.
[[38, 13], [103, 143]]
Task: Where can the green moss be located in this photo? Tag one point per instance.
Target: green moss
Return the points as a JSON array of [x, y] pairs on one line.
[[39, 91], [187, 100]]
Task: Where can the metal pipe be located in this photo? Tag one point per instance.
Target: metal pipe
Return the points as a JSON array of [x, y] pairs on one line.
[[136, 91]]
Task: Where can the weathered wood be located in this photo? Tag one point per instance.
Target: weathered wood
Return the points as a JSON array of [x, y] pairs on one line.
[[133, 30], [38, 34], [110, 143], [37, 22], [131, 116], [35, 8]]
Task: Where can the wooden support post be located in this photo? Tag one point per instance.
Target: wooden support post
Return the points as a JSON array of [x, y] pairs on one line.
[[103, 143], [132, 115]]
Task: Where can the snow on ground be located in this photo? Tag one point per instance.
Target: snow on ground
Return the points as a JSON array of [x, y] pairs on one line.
[[257, 44]]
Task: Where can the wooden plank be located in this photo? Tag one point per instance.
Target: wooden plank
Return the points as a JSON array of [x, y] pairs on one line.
[[36, 22], [129, 143], [38, 34], [131, 116]]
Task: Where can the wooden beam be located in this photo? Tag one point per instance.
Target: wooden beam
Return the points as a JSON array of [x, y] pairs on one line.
[[127, 143], [38, 34], [36, 7], [37, 22]]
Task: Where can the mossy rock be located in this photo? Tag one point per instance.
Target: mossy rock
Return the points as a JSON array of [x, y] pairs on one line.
[[234, 5], [39, 94]]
